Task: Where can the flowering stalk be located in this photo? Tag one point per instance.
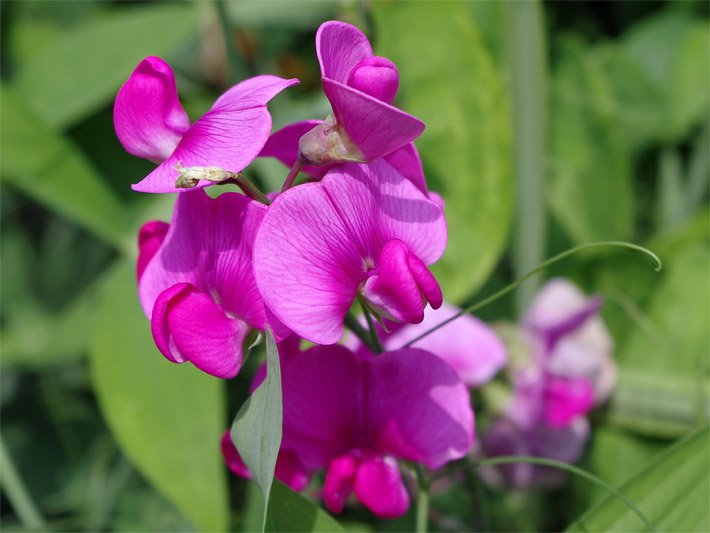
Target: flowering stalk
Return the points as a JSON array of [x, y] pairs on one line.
[[295, 169], [251, 190], [363, 334]]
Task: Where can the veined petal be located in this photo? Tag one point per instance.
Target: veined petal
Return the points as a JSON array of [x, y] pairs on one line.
[[418, 409], [339, 481], [376, 128], [147, 115], [467, 344], [340, 47], [408, 163], [209, 245], [229, 136], [378, 485], [318, 240]]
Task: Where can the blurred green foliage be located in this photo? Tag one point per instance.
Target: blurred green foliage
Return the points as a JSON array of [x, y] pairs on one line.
[[126, 441]]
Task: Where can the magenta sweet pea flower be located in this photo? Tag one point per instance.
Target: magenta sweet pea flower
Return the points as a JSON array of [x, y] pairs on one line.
[[364, 230], [563, 325], [151, 123], [360, 87], [196, 282], [355, 416], [467, 344]]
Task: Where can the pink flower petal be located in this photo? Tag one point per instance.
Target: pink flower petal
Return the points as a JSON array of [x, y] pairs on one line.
[[209, 245], [229, 136], [147, 114], [197, 330], [419, 409], [339, 481], [376, 128], [407, 162], [150, 236], [566, 399], [232, 458], [378, 485], [376, 76], [467, 344], [318, 240], [340, 47]]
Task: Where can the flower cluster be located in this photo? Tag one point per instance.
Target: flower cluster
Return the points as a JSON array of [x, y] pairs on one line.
[[364, 227], [566, 371]]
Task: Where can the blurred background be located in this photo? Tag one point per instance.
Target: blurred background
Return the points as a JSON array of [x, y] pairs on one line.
[[549, 124]]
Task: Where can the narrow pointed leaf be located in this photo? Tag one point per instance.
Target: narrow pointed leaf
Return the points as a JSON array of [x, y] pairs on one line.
[[289, 511]]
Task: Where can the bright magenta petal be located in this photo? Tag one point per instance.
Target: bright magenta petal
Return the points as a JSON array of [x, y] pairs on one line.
[[378, 485], [150, 236], [147, 114], [318, 240], [467, 344], [421, 409], [340, 47], [407, 162], [229, 136], [376, 128]]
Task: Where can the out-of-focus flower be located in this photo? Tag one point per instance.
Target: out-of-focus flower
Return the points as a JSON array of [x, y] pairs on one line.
[[364, 125], [355, 416], [364, 230], [151, 123], [197, 287], [569, 370]]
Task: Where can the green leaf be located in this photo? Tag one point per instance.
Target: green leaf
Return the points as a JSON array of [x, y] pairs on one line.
[[303, 15], [84, 69], [167, 418], [590, 187], [289, 511], [256, 431], [664, 379], [51, 170], [451, 83], [673, 491]]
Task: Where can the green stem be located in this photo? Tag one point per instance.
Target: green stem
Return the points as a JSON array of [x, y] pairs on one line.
[[235, 63], [529, 76], [364, 335], [291, 177], [16, 492], [514, 459], [422, 518], [251, 190], [376, 343], [505, 290]]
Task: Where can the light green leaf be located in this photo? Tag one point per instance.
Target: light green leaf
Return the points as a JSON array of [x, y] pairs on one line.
[[664, 386], [289, 511], [84, 69], [673, 492], [256, 431], [451, 83], [167, 418], [51, 170], [304, 15], [590, 190]]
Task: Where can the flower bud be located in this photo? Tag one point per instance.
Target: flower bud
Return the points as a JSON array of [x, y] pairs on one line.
[[376, 76]]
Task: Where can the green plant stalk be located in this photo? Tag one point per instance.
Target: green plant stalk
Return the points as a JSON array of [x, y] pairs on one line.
[[513, 459], [16, 492], [505, 290], [422, 517], [527, 53], [235, 63], [363, 334], [376, 343]]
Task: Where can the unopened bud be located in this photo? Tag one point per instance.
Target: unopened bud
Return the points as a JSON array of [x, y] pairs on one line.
[[190, 176], [328, 143]]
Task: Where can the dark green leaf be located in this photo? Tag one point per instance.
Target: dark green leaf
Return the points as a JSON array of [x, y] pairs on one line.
[[256, 431], [167, 418], [289, 511], [84, 69], [50, 169], [673, 492], [451, 83]]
